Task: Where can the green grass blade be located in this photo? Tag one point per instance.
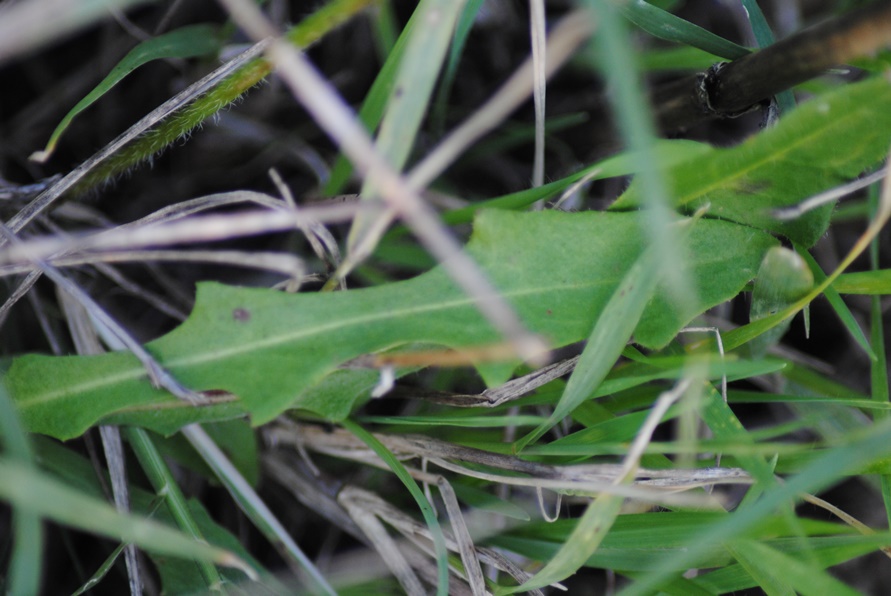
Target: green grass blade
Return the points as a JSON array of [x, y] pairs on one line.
[[612, 331], [838, 305], [664, 25], [764, 37], [765, 571], [165, 485], [24, 573], [396, 466], [818, 475], [462, 32], [639, 132], [589, 533], [878, 373], [796, 575], [26, 488], [375, 102], [253, 506], [875, 283], [186, 42], [304, 34], [425, 52]]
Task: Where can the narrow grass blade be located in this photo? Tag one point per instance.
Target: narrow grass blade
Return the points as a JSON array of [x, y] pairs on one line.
[[875, 283], [162, 481], [31, 490], [769, 576], [639, 132], [788, 574], [782, 278], [186, 42], [425, 53], [600, 515], [462, 32], [814, 477], [253, 506], [878, 373], [612, 331], [838, 305], [764, 37], [664, 25], [372, 109], [26, 560], [396, 466]]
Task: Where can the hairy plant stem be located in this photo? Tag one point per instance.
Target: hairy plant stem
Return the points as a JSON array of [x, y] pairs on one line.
[[189, 109]]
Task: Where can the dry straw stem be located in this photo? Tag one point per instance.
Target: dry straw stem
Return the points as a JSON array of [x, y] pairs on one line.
[[86, 341], [336, 118], [360, 502], [740, 85], [319, 493], [649, 485], [208, 228]]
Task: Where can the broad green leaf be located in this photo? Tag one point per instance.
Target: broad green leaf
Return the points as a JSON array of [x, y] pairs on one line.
[[268, 348], [186, 42], [783, 278], [822, 143]]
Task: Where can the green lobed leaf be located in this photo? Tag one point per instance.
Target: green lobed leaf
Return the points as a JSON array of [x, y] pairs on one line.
[[821, 144], [186, 42], [268, 348]]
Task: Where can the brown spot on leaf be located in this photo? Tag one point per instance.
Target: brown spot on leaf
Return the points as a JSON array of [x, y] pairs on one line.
[[241, 314]]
